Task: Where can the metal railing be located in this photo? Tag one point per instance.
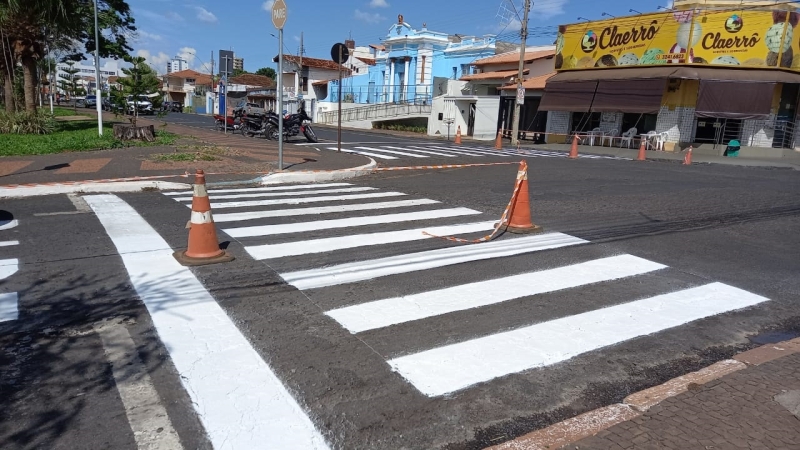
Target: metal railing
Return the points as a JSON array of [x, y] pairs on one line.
[[382, 94], [783, 134], [381, 111]]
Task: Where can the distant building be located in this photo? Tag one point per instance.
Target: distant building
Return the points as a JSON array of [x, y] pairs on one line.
[[177, 64], [86, 76], [238, 63]]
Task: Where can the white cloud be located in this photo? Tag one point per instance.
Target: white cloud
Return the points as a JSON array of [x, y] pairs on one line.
[[548, 9], [189, 54], [204, 15], [296, 38], [172, 15], [157, 62], [267, 6], [368, 17], [145, 36], [378, 4]]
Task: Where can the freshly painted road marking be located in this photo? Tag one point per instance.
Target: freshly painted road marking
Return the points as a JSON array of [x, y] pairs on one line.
[[235, 217], [8, 301], [284, 228], [453, 367], [249, 410], [391, 311], [280, 194], [146, 414], [484, 152], [270, 251], [393, 152], [367, 270], [297, 201], [265, 189], [8, 224], [429, 152], [8, 243], [448, 150], [374, 155]]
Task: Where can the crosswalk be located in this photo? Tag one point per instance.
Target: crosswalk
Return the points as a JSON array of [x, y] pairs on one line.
[[423, 151], [365, 258], [8, 267]]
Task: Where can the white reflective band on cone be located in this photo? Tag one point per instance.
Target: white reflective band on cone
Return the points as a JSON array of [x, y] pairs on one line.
[[522, 175], [200, 190], [201, 217]]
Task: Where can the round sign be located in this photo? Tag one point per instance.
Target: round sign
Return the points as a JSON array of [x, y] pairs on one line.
[[279, 14], [335, 52]]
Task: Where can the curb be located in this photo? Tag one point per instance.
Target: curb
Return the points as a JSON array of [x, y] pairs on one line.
[[315, 176], [88, 187], [634, 405]]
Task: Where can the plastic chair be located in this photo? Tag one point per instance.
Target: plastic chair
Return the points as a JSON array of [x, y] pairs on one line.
[[609, 136], [650, 140], [627, 137], [661, 139], [597, 132]]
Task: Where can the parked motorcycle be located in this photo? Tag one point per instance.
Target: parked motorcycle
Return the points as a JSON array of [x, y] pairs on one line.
[[254, 125], [235, 121], [293, 124]]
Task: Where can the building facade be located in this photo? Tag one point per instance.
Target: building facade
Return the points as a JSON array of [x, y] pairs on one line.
[[238, 63], [177, 65], [704, 74], [86, 77], [189, 88]]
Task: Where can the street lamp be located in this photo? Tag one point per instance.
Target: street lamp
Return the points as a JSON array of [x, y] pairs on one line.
[[664, 8], [583, 18], [633, 10], [607, 14]]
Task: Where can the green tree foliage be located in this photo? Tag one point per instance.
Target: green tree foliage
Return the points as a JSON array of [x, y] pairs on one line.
[[139, 81], [267, 72], [237, 72], [28, 26]]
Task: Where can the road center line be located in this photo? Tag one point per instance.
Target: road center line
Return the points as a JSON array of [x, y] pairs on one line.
[[239, 399]]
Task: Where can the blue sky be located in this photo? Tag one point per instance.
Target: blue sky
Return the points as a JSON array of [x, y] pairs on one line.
[[194, 29]]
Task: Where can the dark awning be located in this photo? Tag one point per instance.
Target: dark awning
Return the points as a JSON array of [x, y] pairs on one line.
[[694, 72], [632, 96], [734, 99], [574, 96]]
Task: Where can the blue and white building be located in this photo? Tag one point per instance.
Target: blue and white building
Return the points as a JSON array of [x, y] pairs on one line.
[[410, 67]]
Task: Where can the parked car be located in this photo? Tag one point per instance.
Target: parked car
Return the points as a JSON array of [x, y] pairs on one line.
[[142, 104], [90, 101]]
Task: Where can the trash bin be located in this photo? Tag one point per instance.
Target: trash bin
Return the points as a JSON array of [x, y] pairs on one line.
[[732, 149]]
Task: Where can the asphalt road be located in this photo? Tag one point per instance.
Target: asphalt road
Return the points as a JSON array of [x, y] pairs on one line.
[[386, 339]]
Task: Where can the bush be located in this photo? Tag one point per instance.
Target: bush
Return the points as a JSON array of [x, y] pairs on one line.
[[27, 123]]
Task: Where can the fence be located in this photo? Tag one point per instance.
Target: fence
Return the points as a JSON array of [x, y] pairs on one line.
[[421, 94], [377, 112]]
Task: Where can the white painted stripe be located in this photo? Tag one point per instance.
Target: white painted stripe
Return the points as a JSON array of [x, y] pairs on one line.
[[452, 367], [284, 228], [493, 151], [250, 410], [367, 270], [270, 251], [458, 153], [266, 189], [282, 194], [8, 267], [297, 201], [481, 152], [8, 307], [393, 152], [234, 217], [374, 155], [152, 429], [8, 243], [78, 202], [428, 152], [8, 224], [391, 311]]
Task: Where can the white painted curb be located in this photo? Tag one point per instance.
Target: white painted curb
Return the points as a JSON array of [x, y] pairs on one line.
[[317, 177], [78, 188]]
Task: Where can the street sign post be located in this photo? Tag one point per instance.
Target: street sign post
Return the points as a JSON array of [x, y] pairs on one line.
[[520, 95], [339, 54], [279, 20]]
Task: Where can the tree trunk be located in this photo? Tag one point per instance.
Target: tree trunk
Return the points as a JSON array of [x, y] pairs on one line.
[[29, 79], [8, 91], [127, 133]]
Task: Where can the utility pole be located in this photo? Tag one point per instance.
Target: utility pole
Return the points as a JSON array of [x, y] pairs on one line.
[[524, 35], [98, 80]]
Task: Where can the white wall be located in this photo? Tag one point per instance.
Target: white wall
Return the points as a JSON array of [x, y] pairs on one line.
[[488, 108]]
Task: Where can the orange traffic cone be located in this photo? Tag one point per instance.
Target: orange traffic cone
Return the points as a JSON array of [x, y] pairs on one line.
[[498, 143], [203, 245], [687, 160], [458, 136], [520, 214], [573, 151], [641, 156]]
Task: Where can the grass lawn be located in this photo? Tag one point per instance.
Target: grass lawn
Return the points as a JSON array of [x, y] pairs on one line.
[[71, 137], [61, 111]]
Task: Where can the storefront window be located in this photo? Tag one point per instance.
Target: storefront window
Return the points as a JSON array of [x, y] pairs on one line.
[[585, 121], [643, 123]]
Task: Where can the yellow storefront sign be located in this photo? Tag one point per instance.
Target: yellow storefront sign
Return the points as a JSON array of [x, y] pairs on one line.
[[751, 38]]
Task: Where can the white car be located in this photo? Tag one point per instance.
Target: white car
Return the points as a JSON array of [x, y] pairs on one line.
[[142, 104]]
